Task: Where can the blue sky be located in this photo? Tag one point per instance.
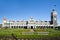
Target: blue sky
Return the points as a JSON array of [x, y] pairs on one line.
[[23, 9]]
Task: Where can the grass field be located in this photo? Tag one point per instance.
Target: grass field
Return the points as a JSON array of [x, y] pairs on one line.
[[19, 32]]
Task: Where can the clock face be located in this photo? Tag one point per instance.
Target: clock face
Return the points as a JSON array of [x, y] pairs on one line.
[[54, 18]]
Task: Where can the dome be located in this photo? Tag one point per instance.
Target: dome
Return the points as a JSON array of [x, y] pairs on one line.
[[31, 18]]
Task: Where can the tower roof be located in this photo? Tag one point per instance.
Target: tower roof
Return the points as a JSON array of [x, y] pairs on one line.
[[4, 18], [54, 12]]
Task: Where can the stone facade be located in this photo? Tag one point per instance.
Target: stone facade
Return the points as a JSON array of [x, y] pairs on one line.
[[32, 23]]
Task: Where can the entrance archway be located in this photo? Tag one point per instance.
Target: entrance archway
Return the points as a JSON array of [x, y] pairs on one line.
[[25, 27], [31, 27]]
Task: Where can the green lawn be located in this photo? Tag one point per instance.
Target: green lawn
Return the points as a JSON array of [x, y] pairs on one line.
[[18, 32]]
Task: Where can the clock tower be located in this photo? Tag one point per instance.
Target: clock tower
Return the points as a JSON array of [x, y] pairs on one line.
[[54, 18]]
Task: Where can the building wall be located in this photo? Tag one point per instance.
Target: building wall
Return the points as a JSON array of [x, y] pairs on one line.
[[0, 25], [30, 23]]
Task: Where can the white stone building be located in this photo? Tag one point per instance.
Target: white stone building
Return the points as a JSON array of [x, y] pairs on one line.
[[32, 23]]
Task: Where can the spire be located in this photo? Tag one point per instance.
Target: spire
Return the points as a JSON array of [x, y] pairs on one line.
[[54, 8], [4, 18]]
